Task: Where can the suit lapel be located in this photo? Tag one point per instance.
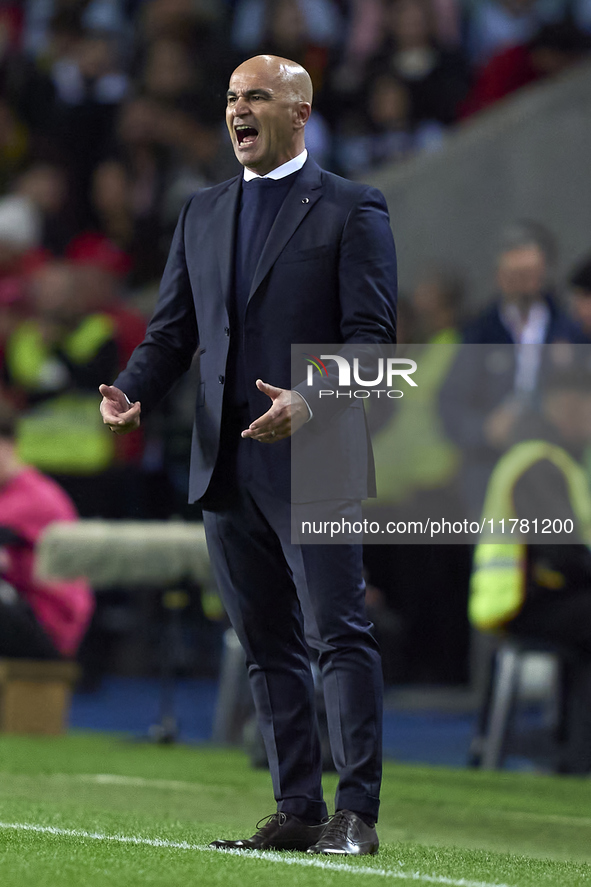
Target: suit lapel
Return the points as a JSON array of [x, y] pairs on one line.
[[223, 229], [306, 191]]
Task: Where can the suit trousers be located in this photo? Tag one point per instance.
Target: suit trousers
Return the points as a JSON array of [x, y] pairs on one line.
[[283, 599]]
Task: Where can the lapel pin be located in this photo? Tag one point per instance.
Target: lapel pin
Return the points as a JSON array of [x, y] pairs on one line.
[[305, 200]]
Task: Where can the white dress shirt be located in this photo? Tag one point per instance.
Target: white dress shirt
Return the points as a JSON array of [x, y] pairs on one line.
[[285, 169]]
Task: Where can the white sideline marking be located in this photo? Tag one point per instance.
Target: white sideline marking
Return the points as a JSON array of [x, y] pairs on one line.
[[135, 781], [179, 785], [268, 856]]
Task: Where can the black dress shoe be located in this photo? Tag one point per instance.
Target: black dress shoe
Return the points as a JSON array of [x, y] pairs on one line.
[[346, 834], [280, 831]]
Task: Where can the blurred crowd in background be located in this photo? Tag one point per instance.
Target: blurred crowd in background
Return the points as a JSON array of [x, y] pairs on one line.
[[112, 114], [116, 104]]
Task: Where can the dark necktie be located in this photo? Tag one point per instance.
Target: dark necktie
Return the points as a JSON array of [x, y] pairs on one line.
[[260, 202]]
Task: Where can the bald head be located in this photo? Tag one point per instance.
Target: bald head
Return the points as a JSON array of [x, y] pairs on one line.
[[293, 80], [268, 105]]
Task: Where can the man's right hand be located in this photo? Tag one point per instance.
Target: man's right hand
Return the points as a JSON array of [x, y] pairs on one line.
[[117, 412]]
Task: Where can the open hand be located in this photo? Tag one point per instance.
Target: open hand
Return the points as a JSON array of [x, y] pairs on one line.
[[121, 416], [287, 413]]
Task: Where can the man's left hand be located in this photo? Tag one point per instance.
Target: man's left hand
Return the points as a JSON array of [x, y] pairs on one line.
[[287, 413]]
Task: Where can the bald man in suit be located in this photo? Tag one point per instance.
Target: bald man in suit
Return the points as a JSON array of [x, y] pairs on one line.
[[284, 253]]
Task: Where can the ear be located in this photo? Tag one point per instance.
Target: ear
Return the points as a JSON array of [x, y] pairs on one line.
[[301, 114]]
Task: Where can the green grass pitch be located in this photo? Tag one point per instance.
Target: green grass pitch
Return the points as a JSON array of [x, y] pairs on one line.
[[103, 811]]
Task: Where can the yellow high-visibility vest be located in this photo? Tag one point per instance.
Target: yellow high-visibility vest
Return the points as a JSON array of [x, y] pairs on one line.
[[412, 451], [497, 584], [63, 434]]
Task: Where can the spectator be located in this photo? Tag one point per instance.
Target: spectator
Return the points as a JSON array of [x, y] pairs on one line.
[[416, 470], [494, 25], [177, 18], [174, 74], [146, 161], [528, 587], [321, 18], [426, 460], [488, 388], [138, 237], [364, 33], [362, 37], [169, 73], [27, 89], [438, 300], [437, 78], [42, 15], [553, 49], [168, 156], [20, 233], [180, 49], [580, 296], [164, 152], [194, 152], [111, 203], [525, 310], [384, 132], [90, 72], [288, 33], [137, 240], [38, 620], [100, 269], [54, 361], [90, 85], [46, 185]]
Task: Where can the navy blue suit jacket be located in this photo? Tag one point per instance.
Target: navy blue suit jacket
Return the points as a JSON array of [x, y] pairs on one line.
[[489, 329], [327, 274]]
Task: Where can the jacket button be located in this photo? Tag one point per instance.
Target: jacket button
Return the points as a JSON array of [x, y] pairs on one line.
[[227, 330], [221, 380]]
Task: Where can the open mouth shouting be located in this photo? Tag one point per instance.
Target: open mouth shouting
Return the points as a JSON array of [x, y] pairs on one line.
[[246, 135]]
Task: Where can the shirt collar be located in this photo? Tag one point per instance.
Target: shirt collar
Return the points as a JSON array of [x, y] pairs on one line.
[[286, 169], [531, 330]]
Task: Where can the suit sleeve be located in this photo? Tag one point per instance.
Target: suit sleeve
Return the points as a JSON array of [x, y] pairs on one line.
[[367, 273], [171, 338]]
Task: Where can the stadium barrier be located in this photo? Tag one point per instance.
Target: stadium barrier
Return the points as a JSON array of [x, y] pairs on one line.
[[161, 555]]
